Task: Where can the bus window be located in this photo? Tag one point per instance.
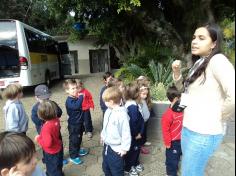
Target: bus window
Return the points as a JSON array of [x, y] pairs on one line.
[[8, 34], [9, 58]]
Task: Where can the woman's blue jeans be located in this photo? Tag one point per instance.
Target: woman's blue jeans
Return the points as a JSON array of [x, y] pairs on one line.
[[197, 149]]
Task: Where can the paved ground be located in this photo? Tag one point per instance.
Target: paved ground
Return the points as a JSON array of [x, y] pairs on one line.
[[221, 164]]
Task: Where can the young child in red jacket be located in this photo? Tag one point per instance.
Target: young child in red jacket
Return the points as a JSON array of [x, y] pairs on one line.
[[86, 106], [171, 130], [50, 138]]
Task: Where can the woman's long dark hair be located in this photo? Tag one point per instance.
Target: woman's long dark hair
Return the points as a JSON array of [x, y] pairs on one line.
[[216, 36]]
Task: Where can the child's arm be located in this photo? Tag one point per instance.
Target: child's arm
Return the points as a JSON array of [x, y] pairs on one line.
[[133, 114], [34, 116], [75, 103], [44, 139], [13, 119], [125, 136], [166, 122], [90, 97]]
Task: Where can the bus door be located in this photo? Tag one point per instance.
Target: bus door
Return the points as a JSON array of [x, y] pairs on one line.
[[65, 62]]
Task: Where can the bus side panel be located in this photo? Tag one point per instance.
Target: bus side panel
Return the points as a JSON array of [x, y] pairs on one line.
[[25, 74]]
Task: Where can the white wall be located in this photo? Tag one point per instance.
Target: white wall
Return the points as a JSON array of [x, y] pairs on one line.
[[83, 47]]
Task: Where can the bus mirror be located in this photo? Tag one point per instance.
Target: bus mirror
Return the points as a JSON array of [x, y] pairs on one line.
[[64, 49]]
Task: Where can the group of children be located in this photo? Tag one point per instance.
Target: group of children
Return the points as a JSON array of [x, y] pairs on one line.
[[45, 115], [126, 110]]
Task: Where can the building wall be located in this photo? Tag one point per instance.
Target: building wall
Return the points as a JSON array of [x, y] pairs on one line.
[[83, 47]]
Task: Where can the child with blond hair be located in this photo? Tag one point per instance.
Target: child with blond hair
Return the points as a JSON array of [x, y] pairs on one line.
[[16, 119], [75, 120], [115, 134]]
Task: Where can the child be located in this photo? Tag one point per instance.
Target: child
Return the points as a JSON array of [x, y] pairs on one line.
[[132, 165], [50, 138], [86, 105], [115, 134], [75, 121], [144, 83], [18, 155], [16, 119], [171, 130], [106, 78], [41, 93], [144, 95]]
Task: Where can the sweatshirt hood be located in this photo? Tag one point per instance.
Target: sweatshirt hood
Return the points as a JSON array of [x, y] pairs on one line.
[[9, 102]]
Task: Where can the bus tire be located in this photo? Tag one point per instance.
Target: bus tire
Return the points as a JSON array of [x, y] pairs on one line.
[[47, 79]]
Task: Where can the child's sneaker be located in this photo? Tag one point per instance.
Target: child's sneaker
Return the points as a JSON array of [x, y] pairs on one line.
[[65, 161], [83, 152], [139, 168], [126, 173], [76, 160], [133, 171], [144, 150], [89, 134], [148, 143]]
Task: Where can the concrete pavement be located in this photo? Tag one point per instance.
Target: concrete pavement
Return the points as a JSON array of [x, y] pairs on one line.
[[221, 164]]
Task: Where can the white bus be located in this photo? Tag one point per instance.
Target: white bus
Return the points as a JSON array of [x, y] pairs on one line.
[[28, 56]]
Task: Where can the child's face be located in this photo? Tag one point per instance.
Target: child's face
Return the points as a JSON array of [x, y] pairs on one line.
[[79, 88], [143, 94], [20, 95], [27, 168], [109, 104], [72, 90], [108, 79]]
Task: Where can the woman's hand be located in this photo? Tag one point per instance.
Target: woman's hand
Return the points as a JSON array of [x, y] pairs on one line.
[[176, 68]]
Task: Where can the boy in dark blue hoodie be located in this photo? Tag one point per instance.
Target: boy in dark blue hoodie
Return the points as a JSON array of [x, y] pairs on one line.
[[75, 120], [106, 78], [136, 122], [41, 93]]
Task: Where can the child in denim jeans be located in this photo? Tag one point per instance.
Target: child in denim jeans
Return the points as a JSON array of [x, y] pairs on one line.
[[75, 120], [16, 119], [171, 130], [115, 134], [50, 138], [136, 122], [86, 106]]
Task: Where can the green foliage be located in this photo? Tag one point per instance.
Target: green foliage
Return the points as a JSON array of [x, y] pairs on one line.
[[228, 27], [158, 73], [158, 92]]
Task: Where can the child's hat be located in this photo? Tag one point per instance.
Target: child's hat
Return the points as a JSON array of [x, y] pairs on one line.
[[42, 92]]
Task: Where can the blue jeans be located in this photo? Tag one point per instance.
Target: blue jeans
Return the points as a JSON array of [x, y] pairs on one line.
[[197, 149], [75, 139], [54, 163], [173, 155], [88, 121], [113, 163]]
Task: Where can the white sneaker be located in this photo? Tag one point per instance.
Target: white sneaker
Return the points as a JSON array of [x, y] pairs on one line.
[[133, 171], [139, 168], [147, 143]]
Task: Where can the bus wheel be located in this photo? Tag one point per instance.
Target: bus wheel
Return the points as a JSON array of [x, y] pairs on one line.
[[47, 79]]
